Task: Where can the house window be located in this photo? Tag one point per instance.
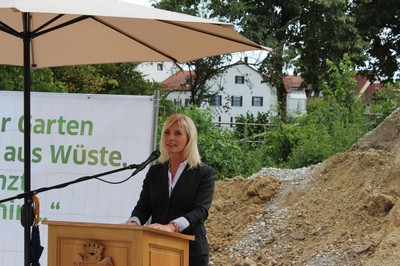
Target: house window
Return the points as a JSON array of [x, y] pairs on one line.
[[257, 101], [237, 100], [239, 79], [178, 102], [217, 101], [160, 66], [187, 101]]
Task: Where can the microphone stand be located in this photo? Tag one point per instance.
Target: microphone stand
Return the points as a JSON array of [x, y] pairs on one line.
[[27, 211], [81, 179]]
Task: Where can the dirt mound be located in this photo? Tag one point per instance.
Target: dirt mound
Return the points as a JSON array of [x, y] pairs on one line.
[[346, 213], [236, 203]]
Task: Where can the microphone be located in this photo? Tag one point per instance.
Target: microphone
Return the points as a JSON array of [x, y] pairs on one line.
[[153, 156]]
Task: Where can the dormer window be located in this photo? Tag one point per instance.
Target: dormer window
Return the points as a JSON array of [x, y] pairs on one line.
[[239, 79]]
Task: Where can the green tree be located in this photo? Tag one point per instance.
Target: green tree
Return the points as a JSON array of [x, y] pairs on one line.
[[378, 23], [334, 122], [340, 83], [267, 23], [328, 128], [129, 80], [385, 102], [202, 70], [190, 7], [12, 79], [249, 126], [326, 31], [119, 78], [302, 34]]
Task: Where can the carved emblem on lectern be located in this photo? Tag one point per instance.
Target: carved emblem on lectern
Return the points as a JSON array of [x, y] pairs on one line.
[[92, 255]]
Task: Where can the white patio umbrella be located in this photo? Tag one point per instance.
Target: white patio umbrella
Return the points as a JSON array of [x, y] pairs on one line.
[[47, 33]]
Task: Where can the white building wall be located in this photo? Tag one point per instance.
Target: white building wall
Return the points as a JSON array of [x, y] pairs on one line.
[[252, 86], [179, 97], [157, 71], [296, 102]]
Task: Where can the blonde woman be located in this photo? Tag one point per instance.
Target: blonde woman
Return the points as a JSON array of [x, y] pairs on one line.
[[177, 192]]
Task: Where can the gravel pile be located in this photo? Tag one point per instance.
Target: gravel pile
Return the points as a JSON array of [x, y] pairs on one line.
[[269, 226]]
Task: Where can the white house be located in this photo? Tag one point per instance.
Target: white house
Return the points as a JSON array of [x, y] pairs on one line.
[[243, 91], [157, 71], [296, 99]]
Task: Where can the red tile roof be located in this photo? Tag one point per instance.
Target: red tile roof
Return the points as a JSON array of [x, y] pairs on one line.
[[292, 82], [177, 81], [367, 88]]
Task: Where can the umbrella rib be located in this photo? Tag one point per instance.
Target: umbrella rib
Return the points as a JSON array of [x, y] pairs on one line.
[[48, 23], [7, 29], [70, 22], [135, 39], [215, 35]]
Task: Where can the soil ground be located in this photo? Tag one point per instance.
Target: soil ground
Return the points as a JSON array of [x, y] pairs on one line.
[[345, 212]]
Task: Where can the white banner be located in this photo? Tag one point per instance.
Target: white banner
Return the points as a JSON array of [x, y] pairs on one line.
[[72, 136]]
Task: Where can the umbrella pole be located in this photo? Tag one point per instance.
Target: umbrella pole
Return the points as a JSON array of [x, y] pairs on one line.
[[26, 212]]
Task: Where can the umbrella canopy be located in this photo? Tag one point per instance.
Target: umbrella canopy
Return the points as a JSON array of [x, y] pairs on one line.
[[73, 32]]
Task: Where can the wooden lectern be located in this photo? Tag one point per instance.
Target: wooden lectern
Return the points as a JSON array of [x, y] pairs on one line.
[[95, 244]]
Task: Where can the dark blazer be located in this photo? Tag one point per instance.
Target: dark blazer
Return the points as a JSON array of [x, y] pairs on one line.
[[190, 198]]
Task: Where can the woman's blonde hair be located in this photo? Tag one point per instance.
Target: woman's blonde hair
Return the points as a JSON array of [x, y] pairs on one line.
[[191, 151]]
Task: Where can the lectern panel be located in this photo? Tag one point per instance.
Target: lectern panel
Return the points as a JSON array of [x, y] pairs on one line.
[[93, 252], [165, 256]]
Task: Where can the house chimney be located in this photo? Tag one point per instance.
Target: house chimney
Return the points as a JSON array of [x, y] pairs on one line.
[[246, 59]]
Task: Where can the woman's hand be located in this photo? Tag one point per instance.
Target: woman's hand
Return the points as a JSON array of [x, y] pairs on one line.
[[132, 223], [164, 227]]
